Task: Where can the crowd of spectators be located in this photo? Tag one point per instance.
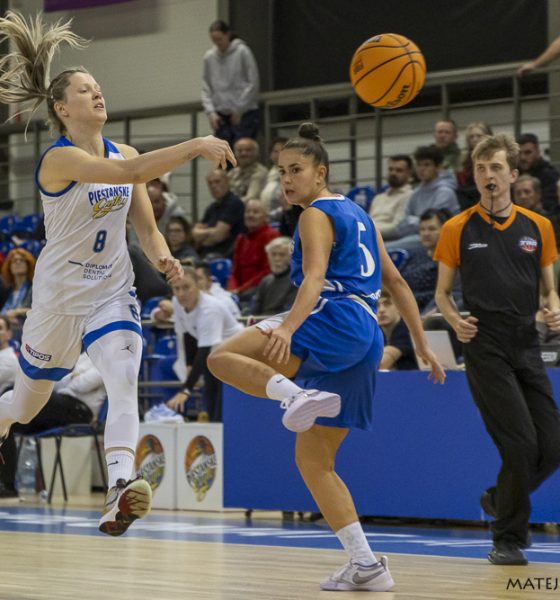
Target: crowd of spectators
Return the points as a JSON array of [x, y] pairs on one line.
[[248, 226]]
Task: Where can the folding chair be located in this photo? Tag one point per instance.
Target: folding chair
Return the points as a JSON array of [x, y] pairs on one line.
[[58, 433]]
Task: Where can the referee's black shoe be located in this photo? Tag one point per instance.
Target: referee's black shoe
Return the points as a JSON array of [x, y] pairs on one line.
[[507, 553], [488, 502]]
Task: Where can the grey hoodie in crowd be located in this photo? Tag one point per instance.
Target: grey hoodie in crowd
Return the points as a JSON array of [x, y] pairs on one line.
[[230, 79], [439, 193]]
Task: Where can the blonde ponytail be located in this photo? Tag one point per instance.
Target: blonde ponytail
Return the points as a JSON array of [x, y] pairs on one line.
[[25, 72]]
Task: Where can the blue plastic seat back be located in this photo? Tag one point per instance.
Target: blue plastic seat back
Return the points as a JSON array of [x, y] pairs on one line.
[[362, 196], [221, 270], [399, 257]]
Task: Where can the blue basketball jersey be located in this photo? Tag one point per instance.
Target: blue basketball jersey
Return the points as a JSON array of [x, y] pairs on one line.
[[354, 266]]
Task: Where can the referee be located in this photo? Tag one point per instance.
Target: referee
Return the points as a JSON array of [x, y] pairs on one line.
[[504, 254]]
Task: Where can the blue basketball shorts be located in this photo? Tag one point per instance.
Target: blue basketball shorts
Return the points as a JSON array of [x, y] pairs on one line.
[[340, 345]]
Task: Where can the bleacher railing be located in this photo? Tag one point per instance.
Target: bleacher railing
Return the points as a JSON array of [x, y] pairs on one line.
[[362, 137]]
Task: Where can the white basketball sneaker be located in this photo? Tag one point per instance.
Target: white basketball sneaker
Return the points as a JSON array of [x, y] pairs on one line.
[[304, 407], [125, 502], [354, 577]]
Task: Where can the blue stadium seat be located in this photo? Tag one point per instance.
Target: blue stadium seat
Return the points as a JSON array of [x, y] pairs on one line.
[[5, 247], [362, 196], [399, 257], [166, 346], [149, 305], [221, 269], [7, 224], [159, 367], [32, 246], [27, 224]]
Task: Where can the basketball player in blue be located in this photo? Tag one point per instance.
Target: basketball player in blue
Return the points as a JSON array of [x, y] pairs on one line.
[[82, 289], [329, 342]]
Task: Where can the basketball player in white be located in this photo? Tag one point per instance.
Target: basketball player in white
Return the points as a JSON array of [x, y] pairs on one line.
[[82, 289]]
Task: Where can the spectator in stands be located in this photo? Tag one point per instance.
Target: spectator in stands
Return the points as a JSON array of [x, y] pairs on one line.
[[445, 136], [433, 192], [17, 273], [163, 201], [276, 292], [467, 193], [398, 352], [248, 179], [387, 208], [230, 86], [207, 284], [178, 236], [76, 398], [222, 220], [272, 190], [419, 270], [527, 193], [532, 163], [201, 322], [250, 263]]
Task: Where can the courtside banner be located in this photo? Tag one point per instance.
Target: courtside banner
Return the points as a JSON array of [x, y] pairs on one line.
[[54, 5]]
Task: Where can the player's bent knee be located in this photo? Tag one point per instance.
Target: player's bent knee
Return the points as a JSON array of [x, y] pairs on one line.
[[215, 361]]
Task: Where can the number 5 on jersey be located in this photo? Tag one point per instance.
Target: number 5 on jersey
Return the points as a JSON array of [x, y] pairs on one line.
[[369, 268]]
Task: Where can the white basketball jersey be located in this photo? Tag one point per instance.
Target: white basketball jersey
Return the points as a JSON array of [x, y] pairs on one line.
[[85, 262]]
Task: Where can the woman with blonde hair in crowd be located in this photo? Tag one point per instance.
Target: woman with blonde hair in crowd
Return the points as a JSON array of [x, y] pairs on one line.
[[467, 193]]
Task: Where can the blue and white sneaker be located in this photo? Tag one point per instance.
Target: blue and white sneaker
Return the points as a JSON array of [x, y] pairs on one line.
[[354, 577]]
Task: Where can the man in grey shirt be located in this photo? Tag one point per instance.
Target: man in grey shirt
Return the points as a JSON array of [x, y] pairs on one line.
[[436, 191], [230, 86]]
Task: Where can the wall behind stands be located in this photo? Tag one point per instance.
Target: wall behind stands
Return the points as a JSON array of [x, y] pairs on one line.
[[451, 35], [144, 53]]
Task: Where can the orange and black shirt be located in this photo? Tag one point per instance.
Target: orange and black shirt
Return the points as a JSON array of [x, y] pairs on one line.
[[499, 262]]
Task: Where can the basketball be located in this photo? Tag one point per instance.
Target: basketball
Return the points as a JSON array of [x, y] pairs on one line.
[[387, 71]]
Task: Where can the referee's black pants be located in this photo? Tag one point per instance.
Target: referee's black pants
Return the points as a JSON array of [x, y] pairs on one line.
[[511, 389]]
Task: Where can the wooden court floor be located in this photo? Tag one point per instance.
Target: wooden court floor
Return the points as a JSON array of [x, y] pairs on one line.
[[53, 566]]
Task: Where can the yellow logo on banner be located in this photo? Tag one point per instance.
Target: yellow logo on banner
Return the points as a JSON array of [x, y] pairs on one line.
[[200, 466], [150, 460]]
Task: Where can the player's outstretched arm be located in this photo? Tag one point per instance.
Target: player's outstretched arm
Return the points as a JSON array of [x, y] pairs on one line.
[[69, 163]]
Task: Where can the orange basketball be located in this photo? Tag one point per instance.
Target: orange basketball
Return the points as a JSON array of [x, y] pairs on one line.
[[387, 71]]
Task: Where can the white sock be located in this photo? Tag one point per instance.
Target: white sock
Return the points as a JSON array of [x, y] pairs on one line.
[[119, 466], [280, 387], [355, 543]]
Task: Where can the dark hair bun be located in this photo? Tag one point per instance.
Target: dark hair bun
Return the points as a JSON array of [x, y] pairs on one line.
[[309, 131]]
